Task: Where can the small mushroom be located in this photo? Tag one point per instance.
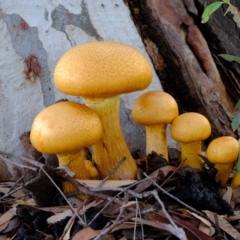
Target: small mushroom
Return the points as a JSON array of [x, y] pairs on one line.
[[64, 129], [223, 152], [155, 110], [92, 170], [190, 129], [100, 72]]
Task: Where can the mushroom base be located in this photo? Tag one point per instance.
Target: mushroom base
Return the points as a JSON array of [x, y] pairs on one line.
[[111, 147], [189, 155], [223, 173], [156, 140], [75, 162], [235, 181]]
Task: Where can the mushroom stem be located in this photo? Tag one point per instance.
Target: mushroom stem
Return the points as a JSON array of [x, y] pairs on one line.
[[223, 173], [189, 152], [235, 181], [75, 162], [111, 147], [156, 140]]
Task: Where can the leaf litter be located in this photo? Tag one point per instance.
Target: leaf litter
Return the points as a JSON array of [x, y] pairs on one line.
[[163, 203]]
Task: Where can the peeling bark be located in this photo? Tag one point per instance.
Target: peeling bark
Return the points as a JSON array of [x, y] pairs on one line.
[[184, 63]]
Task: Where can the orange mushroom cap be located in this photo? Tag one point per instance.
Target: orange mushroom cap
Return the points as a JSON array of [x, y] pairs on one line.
[[223, 150], [154, 107], [190, 127], [65, 127], [102, 69]]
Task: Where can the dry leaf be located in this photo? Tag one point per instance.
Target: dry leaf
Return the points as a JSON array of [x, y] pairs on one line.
[[29, 202], [7, 216], [126, 225], [145, 184], [190, 230], [236, 192], [203, 220], [17, 194], [86, 234], [67, 236], [223, 224], [204, 228], [108, 183], [227, 196], [178, 232], [3, 226], [58, 217], [14, 222], [167, 169], [129, 204], [3, 237]]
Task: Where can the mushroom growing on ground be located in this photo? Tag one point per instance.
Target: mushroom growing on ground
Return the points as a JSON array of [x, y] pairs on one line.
[[155, 110], [190, 129], [65, 128], [100, 72], [223, 152]]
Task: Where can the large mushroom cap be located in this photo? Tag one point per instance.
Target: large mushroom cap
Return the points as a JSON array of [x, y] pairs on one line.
[[64, 127], [85, 69], [190, 127], [154, 107], [223, 150]]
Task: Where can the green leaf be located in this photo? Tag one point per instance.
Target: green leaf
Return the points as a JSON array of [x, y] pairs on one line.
[[237, 167], [235, 124], [236, 109], [236, 117], [230, 58], [209, 10]]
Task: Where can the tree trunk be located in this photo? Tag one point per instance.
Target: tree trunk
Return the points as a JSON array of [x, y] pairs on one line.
[[185, 55]]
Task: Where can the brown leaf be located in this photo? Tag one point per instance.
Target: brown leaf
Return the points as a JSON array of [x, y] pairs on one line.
[[227, 196], [58, 217], [223, 224], [191, 231], [108, 183], [145, 184], [6, 217], [167, 169], [86, 234], [178, 232]]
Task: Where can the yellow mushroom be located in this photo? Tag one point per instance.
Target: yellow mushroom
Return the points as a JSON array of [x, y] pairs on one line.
[[190, 129], [65, 128], [100, 72], [223, 152], [155, 110], [92, 170]]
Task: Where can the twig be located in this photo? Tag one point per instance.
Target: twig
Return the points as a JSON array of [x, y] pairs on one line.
[[12, 190], [179, 166], [179, 231], [112, 171], [171, 196], [17, 164], [115, 223], [154, 193], [69, 224], [40, 165], [112, 200]]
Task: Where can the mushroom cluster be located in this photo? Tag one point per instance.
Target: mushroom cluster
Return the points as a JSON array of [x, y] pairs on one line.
[[100, 72]]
